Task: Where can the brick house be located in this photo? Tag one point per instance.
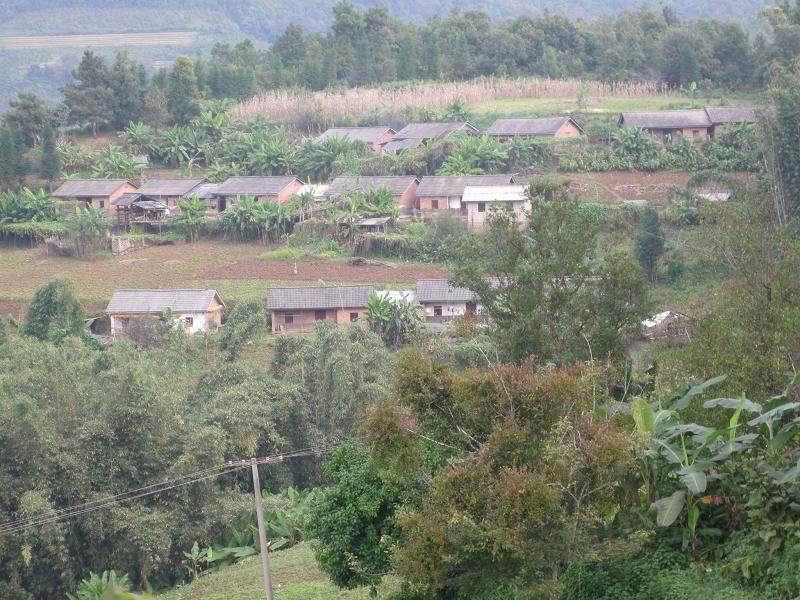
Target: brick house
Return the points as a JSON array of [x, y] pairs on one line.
[[196, 310], [275, 189], [374, 137], [722, 116], [295, 310], [414, 135], [98, 192], [478, 202], [548, 127], [670, 125], [403, 188], [169, 191], [444, 192]]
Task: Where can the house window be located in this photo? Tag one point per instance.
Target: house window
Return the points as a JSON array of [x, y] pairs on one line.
[[189, 321], [319, 315], [435, 204], [481, 206], [353, 317], [437, 311], [101, 203], [288, 318], [695, 134]]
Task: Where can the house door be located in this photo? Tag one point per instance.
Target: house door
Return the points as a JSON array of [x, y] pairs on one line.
[[472, 309], [319, 315], [221, 205]]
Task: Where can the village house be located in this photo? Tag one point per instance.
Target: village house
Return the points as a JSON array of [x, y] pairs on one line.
[[374, 137], [403, 188], [479, 201], [547, 127], [169, 191], [195, 310], [444, 192], [441, 302], [295, 310], [138, 208], [415, 135], [98, 192], [275, 189], [723, 116], [670, 125]]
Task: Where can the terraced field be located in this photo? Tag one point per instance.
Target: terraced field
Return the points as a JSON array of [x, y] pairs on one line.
[[163, 38]]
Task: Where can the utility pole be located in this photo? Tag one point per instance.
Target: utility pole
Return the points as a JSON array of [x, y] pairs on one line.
[[262, 534]]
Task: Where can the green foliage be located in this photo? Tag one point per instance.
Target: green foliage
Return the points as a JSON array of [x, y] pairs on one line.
[[89, 98], [54, 312], [192, 216], [88, 227], [396, 321], [183, 95], [101, 587], [14, 165], [50, 161], [29, 115], [649, 242], [351, 521], [242, 324]]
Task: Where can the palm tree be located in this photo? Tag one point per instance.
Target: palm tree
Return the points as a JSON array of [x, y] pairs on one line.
[[86, 225], [192, 216]]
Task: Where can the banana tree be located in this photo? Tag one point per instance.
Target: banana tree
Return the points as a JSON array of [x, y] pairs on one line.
[[192, 216]]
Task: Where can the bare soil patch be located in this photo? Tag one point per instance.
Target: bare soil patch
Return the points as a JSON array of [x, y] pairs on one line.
[[327, 271]]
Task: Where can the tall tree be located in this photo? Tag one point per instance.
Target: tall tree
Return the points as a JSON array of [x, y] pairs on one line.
[[29, 114], [183, 95], [128, 89], [50, 161], [649, 242], [90, 97], [54, 312], [14, 164], [154, 107]]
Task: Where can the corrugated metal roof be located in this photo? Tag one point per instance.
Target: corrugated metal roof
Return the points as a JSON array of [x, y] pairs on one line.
[[204, 191], [667, 119], [88, 188], [255, 186], [429, 131], [156, 301], [731, 114], [169, 187], [374, 221], [495, 193], [440, 290], [440, 185], [126, 199], [397, 185], [309, 298], [369, 135], [397, 145], [544, 126]]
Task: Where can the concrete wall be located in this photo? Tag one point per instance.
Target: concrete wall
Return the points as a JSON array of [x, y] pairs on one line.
[[200, 321], [452, 309], [476, 220], [105, 201], [304, 320]]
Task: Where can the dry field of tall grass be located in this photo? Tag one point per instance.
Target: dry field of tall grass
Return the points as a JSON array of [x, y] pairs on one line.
[[327, 108], [165, 38]]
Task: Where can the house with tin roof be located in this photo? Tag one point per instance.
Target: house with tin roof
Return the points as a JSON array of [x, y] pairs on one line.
[[670, 125], [480, 201], [98, 192], [444, 192], [415, 135], [297, 309], [374, 137], [547, 127], [169, 191], [196, 310], [402, 187], [274, 188]]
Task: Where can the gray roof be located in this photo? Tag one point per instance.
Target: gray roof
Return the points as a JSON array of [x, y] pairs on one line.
[[88, 188], [310, 298], [254, 186], [369, 135], [155, 301], [446, 185], [428, 131], [374, 221], [396, 145], [440, 290], [397, 185], [544, 127], [169, 187], [204, 191], [126, 199], [732, 114], [667, 119]]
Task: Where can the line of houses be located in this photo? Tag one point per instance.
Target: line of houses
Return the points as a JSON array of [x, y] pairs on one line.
[[291, 309], [468, 196]]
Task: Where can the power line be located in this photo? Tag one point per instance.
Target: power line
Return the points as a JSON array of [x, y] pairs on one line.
[[230, 467]]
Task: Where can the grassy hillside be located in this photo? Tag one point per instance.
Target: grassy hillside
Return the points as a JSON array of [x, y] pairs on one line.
[[295, 576]]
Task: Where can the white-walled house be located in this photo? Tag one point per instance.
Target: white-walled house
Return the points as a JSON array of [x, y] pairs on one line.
[[195, 310], [441, 302], [479, 201]]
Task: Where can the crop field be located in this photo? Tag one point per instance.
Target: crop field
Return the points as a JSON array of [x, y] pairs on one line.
[[234, 269], [166, 38]]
